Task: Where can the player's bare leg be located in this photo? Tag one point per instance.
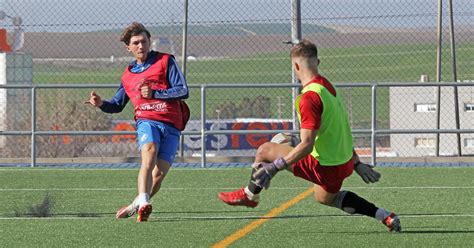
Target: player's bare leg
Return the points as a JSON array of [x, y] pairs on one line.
[[249, 196], [145, 180], [324, 197], [158, 174], [351, 203]]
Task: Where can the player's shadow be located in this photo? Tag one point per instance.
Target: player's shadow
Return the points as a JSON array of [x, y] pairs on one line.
[[209, 212], [158, 213], [436, 231], [260, 215], [84, 214], [227, 218]]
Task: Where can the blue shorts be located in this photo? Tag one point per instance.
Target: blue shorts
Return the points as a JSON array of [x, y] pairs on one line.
[[165, 137]]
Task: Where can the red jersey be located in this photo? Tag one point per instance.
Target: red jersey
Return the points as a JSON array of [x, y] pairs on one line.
[[170, 111], [311, 106]]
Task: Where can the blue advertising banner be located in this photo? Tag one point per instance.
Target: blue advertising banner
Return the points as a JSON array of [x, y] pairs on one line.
[[234, 141]]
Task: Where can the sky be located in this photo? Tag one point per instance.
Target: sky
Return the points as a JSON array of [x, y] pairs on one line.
[[92, 15]]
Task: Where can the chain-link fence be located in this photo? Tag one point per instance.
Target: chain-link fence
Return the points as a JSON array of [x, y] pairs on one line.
[[70, 42]]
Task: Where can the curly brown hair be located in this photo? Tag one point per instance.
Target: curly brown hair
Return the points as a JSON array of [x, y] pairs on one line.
[[133, 29]]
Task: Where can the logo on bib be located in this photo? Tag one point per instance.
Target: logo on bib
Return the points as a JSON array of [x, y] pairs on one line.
[[157, 106]]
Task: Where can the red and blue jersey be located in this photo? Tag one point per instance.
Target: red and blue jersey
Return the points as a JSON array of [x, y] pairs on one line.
[[161, 72]]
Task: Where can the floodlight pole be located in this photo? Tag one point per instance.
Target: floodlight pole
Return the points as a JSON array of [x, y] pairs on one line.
[[295, 38], [455, 77]]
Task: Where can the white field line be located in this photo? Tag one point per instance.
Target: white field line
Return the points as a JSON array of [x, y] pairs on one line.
[[29, 169], [236, 217], [15, 169], [216, 188]]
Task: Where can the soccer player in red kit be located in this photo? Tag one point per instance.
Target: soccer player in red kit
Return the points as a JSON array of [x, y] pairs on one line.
[[325, 155], [156, 87]]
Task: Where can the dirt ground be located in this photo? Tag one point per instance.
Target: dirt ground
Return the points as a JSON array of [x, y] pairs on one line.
[[105, 45]]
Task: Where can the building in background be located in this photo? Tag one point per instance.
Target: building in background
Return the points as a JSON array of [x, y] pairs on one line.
[[415, 108]]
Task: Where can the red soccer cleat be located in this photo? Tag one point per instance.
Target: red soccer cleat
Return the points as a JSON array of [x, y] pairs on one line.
[[144, 212], [125, 212], [237, 198], [393, 223]]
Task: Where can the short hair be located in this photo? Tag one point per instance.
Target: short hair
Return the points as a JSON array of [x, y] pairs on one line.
[[133, 29], [305, 49]]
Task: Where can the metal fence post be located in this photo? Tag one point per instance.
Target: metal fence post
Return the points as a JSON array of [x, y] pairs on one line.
[[295, 36], [33, 126], [374, 124], [185, 38], [203, 126], [183, 66], [438, 71]]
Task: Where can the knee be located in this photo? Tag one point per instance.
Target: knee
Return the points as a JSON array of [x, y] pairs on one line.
[[159, 176], [160, 170], [263, 151], [149, 148], [329, 201]]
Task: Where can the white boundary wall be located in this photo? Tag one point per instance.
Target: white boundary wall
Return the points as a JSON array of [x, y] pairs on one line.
[[15, 69]]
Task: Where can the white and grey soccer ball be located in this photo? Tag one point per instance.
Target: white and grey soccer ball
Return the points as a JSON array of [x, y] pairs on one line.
[[283, 139]]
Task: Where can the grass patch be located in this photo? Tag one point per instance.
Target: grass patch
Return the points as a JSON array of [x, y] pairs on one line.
[[384, 63], [433, 203]]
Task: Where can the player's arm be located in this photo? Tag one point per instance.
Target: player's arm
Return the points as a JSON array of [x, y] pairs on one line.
[[304, 148], [117, 103], [311, 109], [264, 172], [114, 105], [178, 88]]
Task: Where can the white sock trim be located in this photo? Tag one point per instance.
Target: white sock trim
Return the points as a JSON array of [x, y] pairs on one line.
[[250, 195], [135, 203], [143, 198]]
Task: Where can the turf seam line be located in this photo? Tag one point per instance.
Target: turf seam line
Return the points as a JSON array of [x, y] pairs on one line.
[[212, 188], [255, 224], [112, 217]]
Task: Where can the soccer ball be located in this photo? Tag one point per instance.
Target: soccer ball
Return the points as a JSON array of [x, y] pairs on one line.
[[282, 138]]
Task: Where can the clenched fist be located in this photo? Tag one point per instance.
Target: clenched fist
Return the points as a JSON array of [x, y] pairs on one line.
[[146, 91]]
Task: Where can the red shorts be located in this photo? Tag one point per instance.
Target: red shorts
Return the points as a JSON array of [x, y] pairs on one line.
[[330, 178]]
